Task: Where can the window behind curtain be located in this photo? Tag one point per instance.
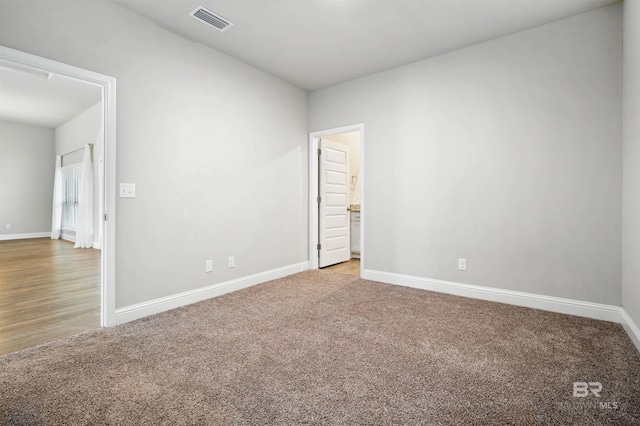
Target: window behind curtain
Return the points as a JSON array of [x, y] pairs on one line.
[[70, 189]]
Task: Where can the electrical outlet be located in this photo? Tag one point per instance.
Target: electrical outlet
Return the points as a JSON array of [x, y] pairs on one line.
[[8, 226], [462, 264], [231, 262], [127, 190], [208, 265]]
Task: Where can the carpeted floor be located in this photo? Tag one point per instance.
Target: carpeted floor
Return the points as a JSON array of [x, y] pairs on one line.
[[326, 348]]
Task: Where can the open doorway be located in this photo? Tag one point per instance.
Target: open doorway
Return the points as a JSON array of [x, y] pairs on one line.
[[336, 184], [51, 114]]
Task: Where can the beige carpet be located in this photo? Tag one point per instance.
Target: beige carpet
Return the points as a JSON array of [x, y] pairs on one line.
[[326, 348]]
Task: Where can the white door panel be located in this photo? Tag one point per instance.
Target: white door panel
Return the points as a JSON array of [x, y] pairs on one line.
[[336, 221], [336, 156], [335, 200], [336, 243], [336, 178], [334, 232]]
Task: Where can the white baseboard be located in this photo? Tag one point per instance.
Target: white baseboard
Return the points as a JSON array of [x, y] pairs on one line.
[[162, 304], [631, 328], [96, 245], [25, 236], [547, 303], [529, 300], [68, 236]]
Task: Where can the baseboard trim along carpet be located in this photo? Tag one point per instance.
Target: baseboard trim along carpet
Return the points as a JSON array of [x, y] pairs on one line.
[[547, 303], [630, 327], [24, 236], [162, 304]]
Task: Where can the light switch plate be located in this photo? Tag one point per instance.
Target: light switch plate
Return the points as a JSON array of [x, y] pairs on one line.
[[127, 190]]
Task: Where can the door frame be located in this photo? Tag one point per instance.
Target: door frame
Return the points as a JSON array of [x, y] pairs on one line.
[[313, 190], [108, 224]]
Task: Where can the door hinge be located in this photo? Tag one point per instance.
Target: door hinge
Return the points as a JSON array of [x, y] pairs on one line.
[[319, 152], [106, 217], [318, 247], [319, 200]]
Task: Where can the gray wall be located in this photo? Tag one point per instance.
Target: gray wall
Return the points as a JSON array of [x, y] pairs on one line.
[[507, 153], [631, 202], [27, 166], [217, 149], [76, 133]]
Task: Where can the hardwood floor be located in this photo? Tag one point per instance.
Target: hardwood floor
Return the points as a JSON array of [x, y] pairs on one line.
[[48, 290], [351, 267]]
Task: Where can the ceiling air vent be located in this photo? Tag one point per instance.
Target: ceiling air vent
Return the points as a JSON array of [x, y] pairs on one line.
[[210, 18]]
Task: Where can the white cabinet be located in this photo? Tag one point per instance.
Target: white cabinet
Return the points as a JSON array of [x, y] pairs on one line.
[[355, 234]]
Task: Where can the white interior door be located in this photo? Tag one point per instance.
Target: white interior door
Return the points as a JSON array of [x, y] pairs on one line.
[[334, 233]]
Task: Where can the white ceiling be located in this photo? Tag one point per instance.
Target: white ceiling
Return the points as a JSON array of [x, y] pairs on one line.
[[318, 43], [34, 98]]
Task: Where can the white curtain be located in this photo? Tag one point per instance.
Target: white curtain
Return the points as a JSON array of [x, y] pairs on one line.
[[84, 220], [56, 212]]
